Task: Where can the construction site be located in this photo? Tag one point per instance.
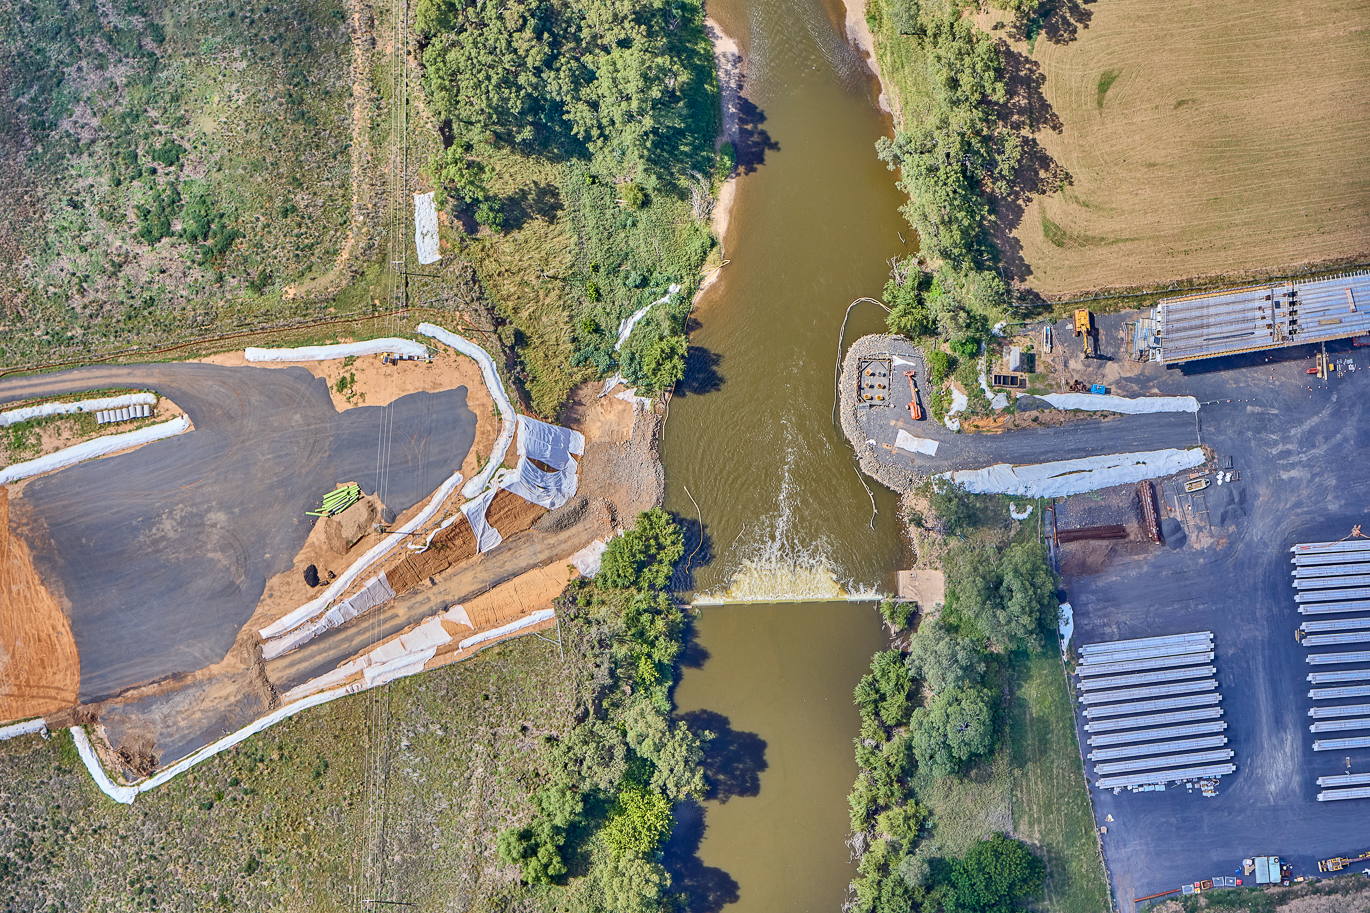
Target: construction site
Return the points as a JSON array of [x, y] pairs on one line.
[[273, 557]]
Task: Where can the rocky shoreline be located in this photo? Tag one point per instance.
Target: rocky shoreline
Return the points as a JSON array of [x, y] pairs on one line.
[[896, 478]]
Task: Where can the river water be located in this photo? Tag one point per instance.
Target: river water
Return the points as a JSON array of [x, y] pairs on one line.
[[751, 449]]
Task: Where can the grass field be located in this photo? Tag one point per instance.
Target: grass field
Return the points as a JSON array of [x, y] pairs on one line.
[[1202, 139]]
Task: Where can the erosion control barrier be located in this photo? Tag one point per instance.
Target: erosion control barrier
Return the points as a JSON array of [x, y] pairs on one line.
[[496, 388], [42, 410], [1072, 477], [89, 450], [341, 350]]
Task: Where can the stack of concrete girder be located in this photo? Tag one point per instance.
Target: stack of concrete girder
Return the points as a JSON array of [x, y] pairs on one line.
[[1332, 583], [1354, 786], [1152, 711]]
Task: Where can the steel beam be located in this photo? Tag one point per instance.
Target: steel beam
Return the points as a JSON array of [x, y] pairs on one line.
[[1156, 677], [1156, 719], [1138, 665], [1170, 703], [1144, 735], [1180, 745], [1165, 776], [1135, 694]]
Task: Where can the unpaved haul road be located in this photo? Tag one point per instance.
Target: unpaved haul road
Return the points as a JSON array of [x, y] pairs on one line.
[[160, 555]]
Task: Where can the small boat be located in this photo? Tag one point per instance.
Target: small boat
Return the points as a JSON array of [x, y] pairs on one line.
[[1197, 485]]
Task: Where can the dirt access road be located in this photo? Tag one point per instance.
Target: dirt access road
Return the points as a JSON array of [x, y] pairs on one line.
[[160, 555]]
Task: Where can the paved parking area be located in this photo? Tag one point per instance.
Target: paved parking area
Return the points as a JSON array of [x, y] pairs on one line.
[[160, 555]]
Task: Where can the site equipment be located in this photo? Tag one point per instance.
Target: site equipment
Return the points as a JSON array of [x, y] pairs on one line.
[[1154, 677], [1345, 675], [1268, 870], [1196, 485], [914, 409], [1146, 493], [1097, 726], [1099, 389], [1143, 735], [1146, 778], [1180, 745], [1084, 326], [1137, 665], [1337, 863], [1131, 694]]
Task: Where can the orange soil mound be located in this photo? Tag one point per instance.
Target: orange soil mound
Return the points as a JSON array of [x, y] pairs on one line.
[[509, 513], [39, 669]]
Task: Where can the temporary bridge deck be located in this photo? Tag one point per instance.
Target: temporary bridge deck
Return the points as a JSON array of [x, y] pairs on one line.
[[1257, 317]]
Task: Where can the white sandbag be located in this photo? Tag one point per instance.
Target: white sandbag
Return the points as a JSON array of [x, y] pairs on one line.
[[1073, 477], [42, 410], [487, 537], [312, 608], [496, 388], [426, 228], [89, 450], [1101, 402], [389, 345], [905, 441], [511, 627], [625, 327]]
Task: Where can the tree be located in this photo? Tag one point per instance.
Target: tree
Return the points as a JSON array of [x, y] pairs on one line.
[[995, 876], [883, 694], [957, 726], [675, 753], [908, 314], [943, 660], [536, 849], [1007, 596], [640, 820], [960, 510], [644, 555]]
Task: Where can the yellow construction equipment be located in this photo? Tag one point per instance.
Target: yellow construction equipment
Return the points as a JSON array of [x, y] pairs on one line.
[[1084, 326]]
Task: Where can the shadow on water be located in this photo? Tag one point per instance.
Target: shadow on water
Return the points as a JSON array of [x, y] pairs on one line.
[[699, 553], [701, 373], [707, 889], [753, 142], [733, 762]]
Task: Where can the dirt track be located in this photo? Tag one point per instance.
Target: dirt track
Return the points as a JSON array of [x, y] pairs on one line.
[[1228, 137], [39, 669]]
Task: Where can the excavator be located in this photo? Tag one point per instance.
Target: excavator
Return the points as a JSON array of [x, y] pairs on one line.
[[1084, 326], [914, 409]]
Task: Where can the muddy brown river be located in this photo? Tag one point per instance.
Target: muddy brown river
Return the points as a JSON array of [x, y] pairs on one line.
[[751, 449]]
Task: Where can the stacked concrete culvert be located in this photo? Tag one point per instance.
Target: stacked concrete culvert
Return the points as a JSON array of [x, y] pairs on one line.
[[1330, 582], [1152, 710]]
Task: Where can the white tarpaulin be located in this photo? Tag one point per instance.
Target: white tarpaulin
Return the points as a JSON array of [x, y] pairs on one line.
[[375, 593], [1100, 402], [89, 450], [959, 402], [457, 616], [625, 327], [1073, 477], [426, 228], [588, 559], [429, 540], [487, 537], [905, 441], [14, 416], [374, 554], [550, 489], [550, 444], [28, 727], [900, 362], [496, 388], [1065, 624], [511, 627], [389, 345], [997, 400]]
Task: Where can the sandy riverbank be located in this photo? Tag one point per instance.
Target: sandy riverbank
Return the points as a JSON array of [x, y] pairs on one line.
[[859, 34], [731, 68]]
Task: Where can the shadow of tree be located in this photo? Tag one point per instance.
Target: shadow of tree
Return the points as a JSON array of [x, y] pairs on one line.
[[752, 141], [707, 889], [699, 552], [733, 761], [1062, 20], [701, 372], [537, 201], [693, 655]]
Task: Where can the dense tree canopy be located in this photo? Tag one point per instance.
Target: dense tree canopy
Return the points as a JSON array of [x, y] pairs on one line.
[[943, 660], [1006, 595], [956, 727], [644, 555]]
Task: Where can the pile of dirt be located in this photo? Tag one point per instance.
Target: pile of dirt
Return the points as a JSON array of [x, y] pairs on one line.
[[510, 513], [450, 546], [40, 671], [344, 530]]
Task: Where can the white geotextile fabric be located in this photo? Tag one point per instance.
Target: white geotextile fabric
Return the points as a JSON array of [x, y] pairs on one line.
[[315, 606], [588, 559], [511, 627], [1101, 402], [457, 616], [28, 727], [341, 350], [496, 388], [550, 489], [487, 537], [625, 327], [1017, 514], [550, 444], [905, 441], [959, 402], [1065, 624], [997, 401], [426, 228], [1073, 477], [14, 416], [375, 593], [396, 668], [89, 450], [429, 540]]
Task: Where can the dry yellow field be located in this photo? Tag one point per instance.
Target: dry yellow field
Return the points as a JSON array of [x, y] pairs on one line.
[[1203, 139]]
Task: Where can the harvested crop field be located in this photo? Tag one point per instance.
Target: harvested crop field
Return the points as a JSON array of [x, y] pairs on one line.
[[1203, 139], [39, 669]]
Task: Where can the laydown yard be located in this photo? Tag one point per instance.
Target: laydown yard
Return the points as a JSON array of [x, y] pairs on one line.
[[1204, 139]]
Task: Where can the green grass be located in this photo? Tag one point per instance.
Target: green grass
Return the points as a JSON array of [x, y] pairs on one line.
[[1106, 81], [1050, 797]]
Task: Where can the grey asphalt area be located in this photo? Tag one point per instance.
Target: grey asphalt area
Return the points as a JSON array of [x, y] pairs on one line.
[[160, 555], [1303, 478]]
